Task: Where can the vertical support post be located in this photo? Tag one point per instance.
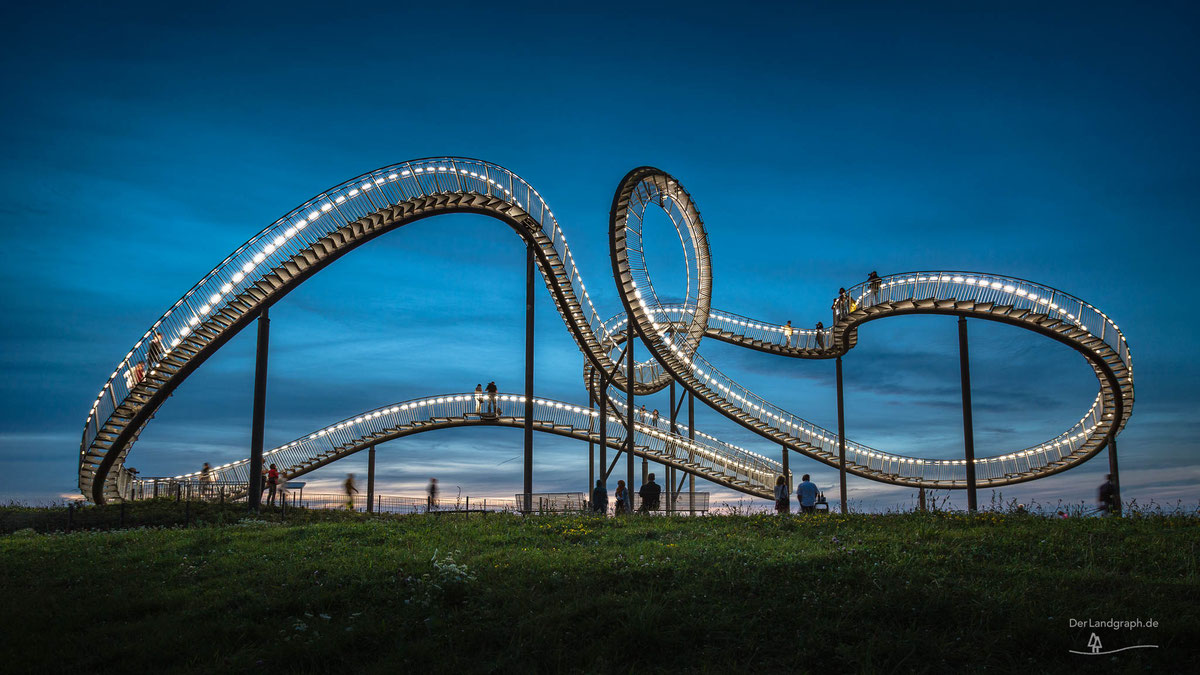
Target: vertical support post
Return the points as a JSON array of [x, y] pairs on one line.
[[787, 473], [964, 360], [260, 410], [672, 491], [529, 288], [371, 479], [1116, 477], [631, 336], [841, 406], [604, 429], [591, 446], [691, 453]]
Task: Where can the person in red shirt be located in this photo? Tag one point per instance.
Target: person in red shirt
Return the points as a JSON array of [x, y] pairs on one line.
[[272, 482]]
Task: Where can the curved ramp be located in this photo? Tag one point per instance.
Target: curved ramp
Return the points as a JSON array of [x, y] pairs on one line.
[[297, 246]]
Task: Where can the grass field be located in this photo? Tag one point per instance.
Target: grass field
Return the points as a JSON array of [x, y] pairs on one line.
[[342, 592]]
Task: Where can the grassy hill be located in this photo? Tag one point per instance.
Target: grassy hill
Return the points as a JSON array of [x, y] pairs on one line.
[[860, 593]]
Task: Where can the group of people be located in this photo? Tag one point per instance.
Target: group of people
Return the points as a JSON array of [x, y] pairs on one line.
[[842, 306], [650, 494], [489, 395], [806, 493]]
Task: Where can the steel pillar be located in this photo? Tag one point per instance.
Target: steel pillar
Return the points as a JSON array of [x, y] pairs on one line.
[[631, 336], [964, 360], [258, 420], [787, 474], [529, 291], [691, 453], [591, 482], [371, 479], [841, 406], [1116, 477], [604, 428]]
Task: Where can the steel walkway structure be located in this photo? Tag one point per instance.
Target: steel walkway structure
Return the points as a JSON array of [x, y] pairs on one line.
[[282, 256]]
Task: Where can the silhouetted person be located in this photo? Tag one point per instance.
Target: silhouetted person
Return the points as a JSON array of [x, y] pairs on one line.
[[600, 498], [351, 490], [433, 490], [782, 498], [154, 352], [649, 493], [491, 396], [806, 492], [841, 306], [205, 479], [272, 484], [874, 283], [820, 335], [478, 398], [787, 333], [622, 496], [1107, 496]]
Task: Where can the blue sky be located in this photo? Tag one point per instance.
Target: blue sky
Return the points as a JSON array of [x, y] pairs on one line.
[[142, 144]]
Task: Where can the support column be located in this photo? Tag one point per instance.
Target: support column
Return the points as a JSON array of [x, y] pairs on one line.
[[631, 336], [787, 474], [1116, 477], [964, 360], [257, 423], [691, 453], [604, 429], [371, 479], [672, 490], [529, 289], [591, 482], [841, 406]]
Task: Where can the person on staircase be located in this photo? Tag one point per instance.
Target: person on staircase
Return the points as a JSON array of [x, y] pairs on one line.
[[491, 396], [787, 333], [478, 398], [820, 335], [155, 351], [875, 284]]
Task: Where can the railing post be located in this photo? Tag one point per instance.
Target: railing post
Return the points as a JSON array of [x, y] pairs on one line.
[[371, 479], [964, 360], [529, 290], [841, 412], [260, 409]]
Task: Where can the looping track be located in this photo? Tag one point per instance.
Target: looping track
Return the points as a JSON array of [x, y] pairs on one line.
[[324, 228]]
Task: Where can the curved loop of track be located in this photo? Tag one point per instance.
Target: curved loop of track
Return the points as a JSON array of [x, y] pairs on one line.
[[321, 230]]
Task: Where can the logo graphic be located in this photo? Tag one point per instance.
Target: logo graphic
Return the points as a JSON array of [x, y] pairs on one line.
[[1095, 646]]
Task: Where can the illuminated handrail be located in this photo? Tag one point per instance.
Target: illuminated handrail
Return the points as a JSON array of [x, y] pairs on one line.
[[673, 332]]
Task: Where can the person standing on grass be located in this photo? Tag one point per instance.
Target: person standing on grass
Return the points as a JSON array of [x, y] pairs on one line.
[[782, 498], [649, 494], [806, 492], [478, 398], [1107, 491], [622, 495], [272, 484], [351, 490], [432, 504], [599, 498]]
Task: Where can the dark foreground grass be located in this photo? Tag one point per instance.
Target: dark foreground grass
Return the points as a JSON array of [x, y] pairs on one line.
[[339, 592]]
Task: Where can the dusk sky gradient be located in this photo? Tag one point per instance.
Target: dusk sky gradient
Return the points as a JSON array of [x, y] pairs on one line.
[[1055, 143]]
